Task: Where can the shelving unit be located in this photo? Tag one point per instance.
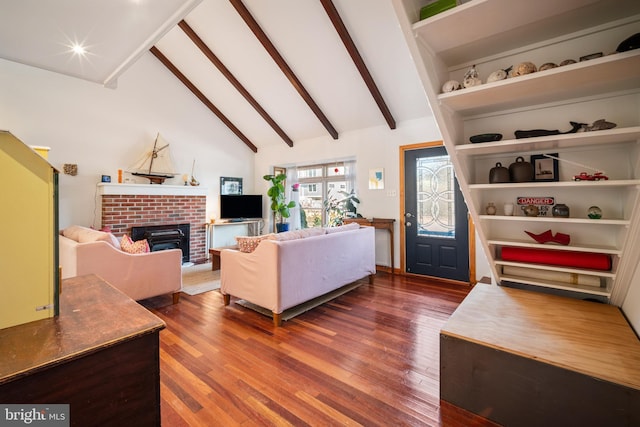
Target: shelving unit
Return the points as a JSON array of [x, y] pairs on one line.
[[496, 34]]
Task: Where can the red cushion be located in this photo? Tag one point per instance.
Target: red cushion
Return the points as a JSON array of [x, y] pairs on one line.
[[588, 260]]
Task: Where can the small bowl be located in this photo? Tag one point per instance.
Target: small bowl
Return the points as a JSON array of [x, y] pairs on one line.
[[485, 137]]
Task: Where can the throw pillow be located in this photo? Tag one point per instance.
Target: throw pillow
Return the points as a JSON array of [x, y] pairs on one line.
[[346, 227], [249, 244], [85, 235], [300, 234], [131, 247]]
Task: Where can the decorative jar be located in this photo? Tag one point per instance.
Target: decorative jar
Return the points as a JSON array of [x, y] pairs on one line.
[[560, 210], [594, 212], [491, 209]]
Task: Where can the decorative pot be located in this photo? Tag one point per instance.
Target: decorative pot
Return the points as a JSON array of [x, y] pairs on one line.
[[560, 210], [594, 212], [508, 209], [521, 170], [530, 210], [282, 226], [498, 174], [491, 209]]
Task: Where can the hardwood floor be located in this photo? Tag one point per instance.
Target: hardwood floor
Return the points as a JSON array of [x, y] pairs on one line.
[[369, 357]]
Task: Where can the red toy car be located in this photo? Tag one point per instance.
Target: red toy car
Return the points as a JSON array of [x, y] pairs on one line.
[[583, 176]]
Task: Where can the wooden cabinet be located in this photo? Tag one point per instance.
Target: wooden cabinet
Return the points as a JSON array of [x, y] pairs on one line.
[[29, 218], [497, 34], [100, 356]]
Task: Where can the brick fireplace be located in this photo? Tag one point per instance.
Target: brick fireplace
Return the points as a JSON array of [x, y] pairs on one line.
[[135, 205]]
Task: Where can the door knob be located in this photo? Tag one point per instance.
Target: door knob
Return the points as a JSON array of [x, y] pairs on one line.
[[408, 224], [408, 214]]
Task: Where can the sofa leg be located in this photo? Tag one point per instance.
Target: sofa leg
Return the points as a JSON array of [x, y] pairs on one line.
[[277, 319], [371, 276], [226, 298], [176, 297]]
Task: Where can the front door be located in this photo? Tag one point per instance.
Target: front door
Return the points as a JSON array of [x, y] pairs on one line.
[[436, 225]]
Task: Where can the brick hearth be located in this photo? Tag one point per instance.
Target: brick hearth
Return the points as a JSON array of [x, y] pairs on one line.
[[133, 205]]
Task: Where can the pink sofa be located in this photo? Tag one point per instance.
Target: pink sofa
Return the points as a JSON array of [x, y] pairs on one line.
[[139, 276], [280, 274]]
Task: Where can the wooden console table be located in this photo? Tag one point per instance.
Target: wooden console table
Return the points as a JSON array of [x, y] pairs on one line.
[[100, 356], [381, 224], [215, 256]]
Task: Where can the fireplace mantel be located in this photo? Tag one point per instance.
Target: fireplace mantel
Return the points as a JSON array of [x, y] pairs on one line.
[[134, 205], [105, 189]]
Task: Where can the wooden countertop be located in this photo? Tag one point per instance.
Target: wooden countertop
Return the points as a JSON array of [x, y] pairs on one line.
[[93, 316], [587, 337]]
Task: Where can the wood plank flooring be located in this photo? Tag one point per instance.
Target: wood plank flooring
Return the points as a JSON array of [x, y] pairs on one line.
[[369, 357]]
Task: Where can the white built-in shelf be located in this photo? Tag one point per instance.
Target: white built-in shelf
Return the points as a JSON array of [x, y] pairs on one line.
[[550, 267], [608, 74], [556, 220], [609, 183], [493, 34], [577, 248], [485, 28], [546, 143], [593, 290]]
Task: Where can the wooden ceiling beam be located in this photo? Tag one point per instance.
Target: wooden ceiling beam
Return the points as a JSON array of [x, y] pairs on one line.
[[232, 79], [337, 22], [176, 72], [284, 67]]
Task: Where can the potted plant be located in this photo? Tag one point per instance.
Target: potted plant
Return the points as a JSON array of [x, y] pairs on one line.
[[340, 208], [279, 204]]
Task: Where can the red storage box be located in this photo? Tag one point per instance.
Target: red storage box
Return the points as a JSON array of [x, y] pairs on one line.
[[588, 260]]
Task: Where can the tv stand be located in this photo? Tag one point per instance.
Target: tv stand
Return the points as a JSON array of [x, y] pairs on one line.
[[221, 234]]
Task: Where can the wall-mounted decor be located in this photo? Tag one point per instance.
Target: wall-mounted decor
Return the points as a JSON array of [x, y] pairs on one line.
[[545, 169], [229, 185], [70, 169], [376, 179]]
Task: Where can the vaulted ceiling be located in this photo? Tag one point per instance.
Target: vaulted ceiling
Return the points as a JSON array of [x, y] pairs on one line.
[[275, 72]]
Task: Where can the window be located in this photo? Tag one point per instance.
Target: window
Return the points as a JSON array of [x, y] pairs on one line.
[[318, 183]]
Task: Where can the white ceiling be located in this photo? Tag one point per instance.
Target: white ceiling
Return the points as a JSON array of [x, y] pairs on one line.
[[117, 32]]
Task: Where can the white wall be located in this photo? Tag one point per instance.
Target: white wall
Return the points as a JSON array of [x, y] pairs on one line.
[[103, 130], [631, 305], [372, 148]]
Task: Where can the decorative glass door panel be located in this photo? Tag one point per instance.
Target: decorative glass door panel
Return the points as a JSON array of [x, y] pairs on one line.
[[435, 183]]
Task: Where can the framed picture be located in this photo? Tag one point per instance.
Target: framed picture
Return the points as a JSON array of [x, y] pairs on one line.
[[230, 185], [376, 179], [545, 169]]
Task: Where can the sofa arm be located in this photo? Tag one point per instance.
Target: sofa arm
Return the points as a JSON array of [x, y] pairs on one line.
[[68, 256], [251, 276], [139, 276]]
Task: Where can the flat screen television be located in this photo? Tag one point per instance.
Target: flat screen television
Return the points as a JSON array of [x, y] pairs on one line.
[[240, 206]]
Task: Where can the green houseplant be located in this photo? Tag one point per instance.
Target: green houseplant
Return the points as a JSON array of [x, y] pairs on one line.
[[341, 205], [279, 205]]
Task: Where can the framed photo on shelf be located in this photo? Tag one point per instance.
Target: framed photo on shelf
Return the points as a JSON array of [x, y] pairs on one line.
[[229, 185], [545, 169]]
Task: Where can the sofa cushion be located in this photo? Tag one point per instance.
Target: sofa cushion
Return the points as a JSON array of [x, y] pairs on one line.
[[249, 244], [131, 247], [346, 227], [300, 234], [86, 235]]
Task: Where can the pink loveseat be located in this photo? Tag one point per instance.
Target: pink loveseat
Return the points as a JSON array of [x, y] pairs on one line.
[[280, 274], [139, 276]]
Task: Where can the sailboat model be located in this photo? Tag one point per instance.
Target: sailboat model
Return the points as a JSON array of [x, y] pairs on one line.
[[156, 165]]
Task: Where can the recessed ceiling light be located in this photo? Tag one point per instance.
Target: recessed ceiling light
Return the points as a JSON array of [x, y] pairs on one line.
[[78, 49]]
